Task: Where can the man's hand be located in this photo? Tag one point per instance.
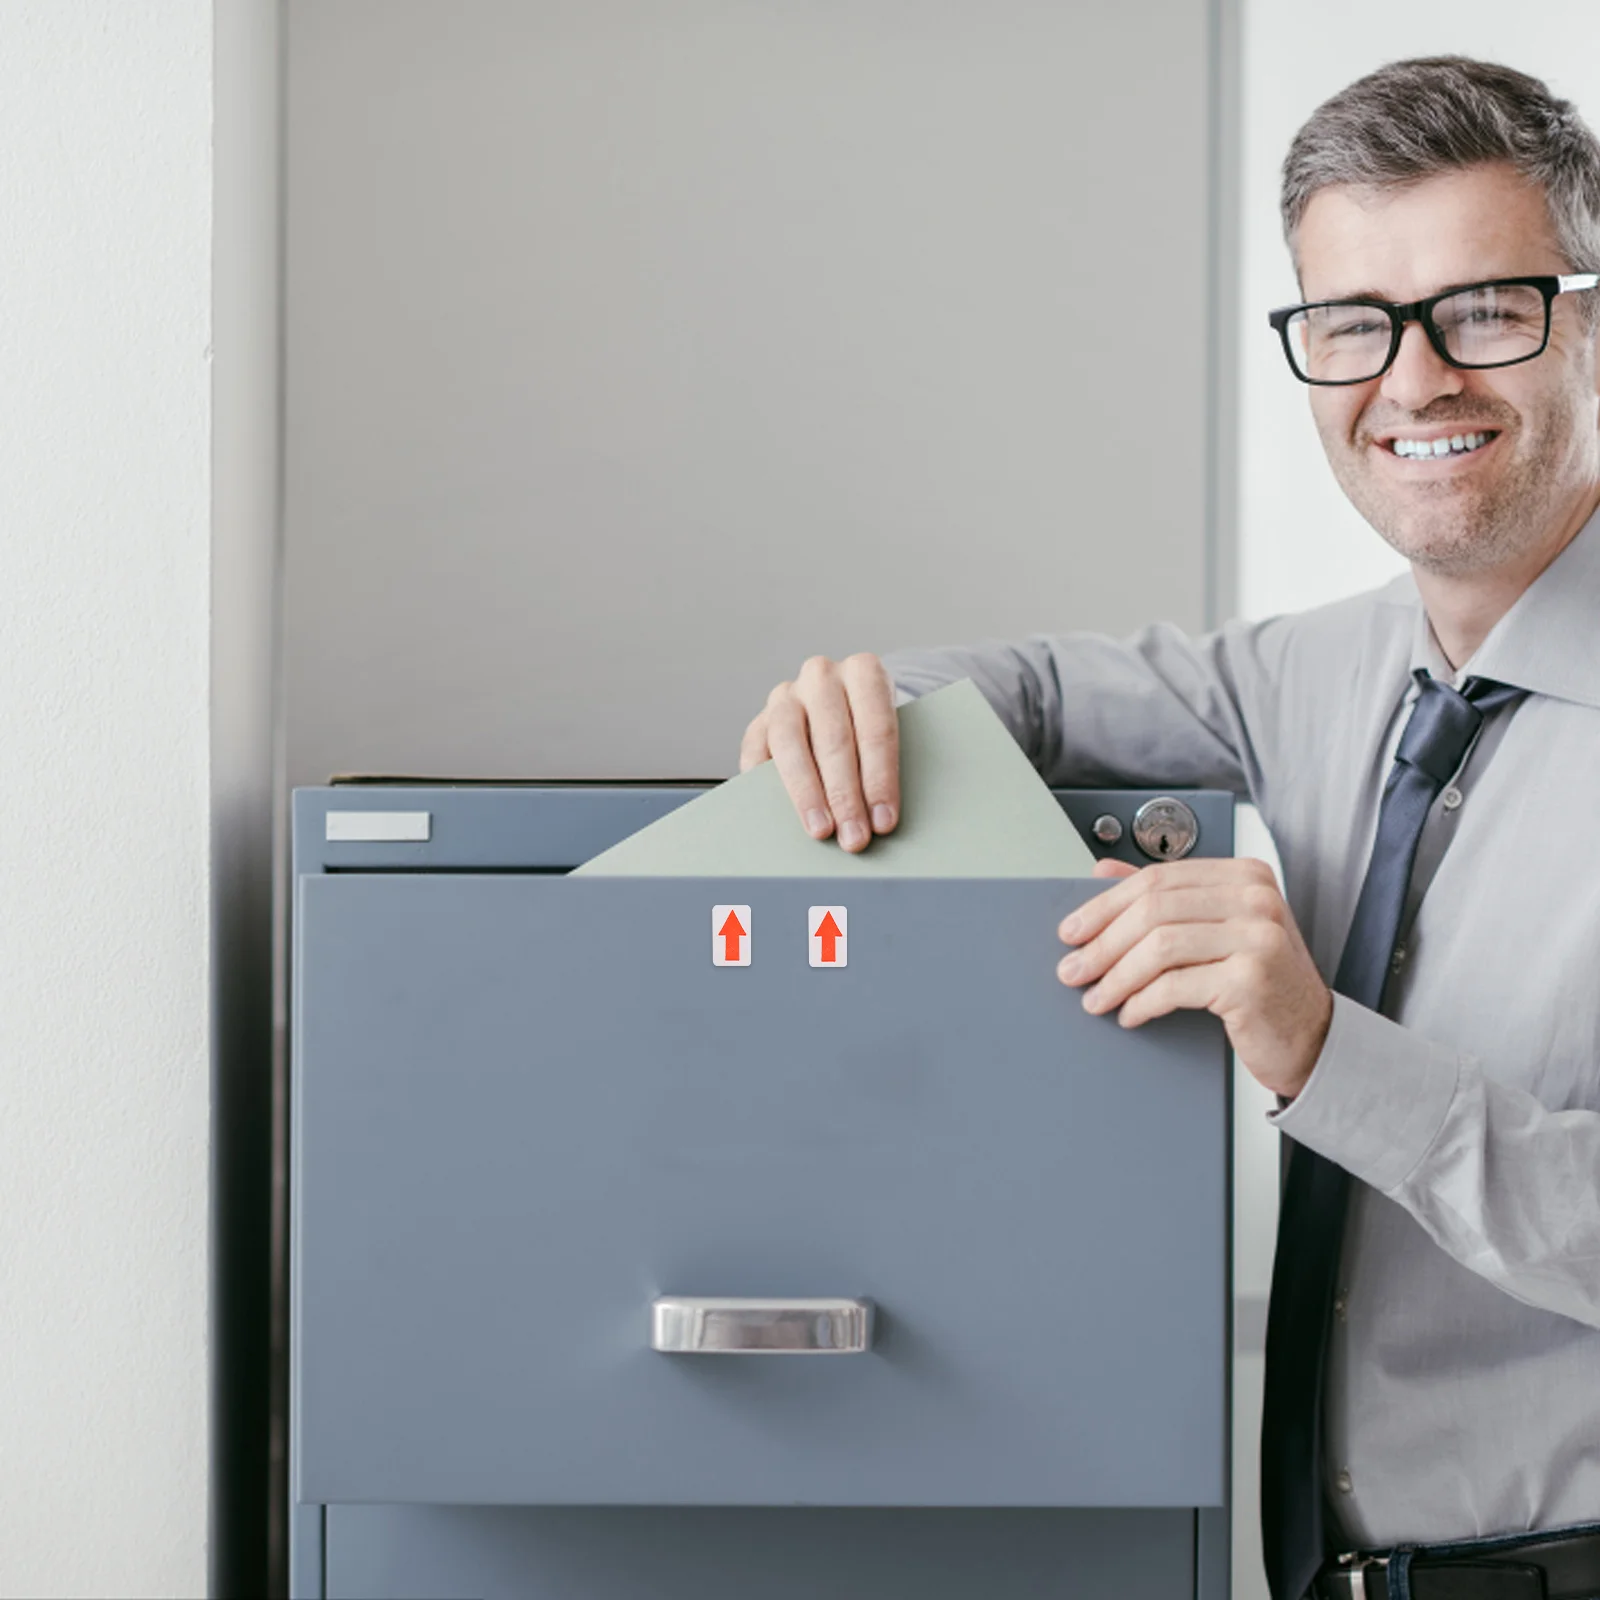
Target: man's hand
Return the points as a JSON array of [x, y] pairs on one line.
[[1204, 936], [834, 738]]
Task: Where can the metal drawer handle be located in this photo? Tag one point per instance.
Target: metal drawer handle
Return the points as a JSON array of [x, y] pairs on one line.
[[687, 1325]]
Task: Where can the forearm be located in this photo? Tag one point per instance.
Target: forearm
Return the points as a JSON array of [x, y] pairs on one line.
[[1508, 1187], [1157, 708]]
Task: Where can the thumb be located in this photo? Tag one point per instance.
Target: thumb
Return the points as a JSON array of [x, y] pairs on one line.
[[1113, 869]]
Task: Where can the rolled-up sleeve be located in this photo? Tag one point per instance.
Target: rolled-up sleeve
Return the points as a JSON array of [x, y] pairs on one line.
[[1504, 1184]]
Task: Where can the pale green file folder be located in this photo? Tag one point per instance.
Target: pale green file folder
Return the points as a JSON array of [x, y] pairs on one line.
[[971, 807]]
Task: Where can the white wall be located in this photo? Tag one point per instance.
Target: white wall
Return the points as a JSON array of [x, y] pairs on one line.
[[1300, 542], [105, 261]]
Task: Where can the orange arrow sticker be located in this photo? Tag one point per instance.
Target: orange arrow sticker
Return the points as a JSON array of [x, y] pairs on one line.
[[730, 936], [828, 927]]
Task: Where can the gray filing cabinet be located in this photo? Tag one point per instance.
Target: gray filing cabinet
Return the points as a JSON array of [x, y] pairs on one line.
[[527, 1108]]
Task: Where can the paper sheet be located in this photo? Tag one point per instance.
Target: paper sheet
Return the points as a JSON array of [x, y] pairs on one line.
[[971, 807]]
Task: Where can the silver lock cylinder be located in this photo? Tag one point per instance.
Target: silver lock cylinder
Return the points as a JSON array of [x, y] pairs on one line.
[[1165, 829]]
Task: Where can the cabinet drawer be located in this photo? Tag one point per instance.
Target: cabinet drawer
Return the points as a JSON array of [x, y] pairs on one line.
[[513, 1553], [527, 1107]]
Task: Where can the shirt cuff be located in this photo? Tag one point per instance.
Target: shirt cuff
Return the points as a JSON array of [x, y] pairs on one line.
[[1376, 1099]]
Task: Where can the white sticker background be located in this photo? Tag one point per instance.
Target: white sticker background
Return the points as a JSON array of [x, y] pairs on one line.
[[829, 938], [730, 938]]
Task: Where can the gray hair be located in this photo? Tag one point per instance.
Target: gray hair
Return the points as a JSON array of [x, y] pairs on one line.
[[1415, 119]]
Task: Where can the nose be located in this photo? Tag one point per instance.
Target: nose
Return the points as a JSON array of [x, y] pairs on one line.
[[1418, 376]]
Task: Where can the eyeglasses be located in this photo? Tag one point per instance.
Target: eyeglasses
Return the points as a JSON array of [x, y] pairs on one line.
[[1493, 324]]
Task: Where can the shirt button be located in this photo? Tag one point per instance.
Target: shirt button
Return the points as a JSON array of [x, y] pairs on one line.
[[1451, 798], [1344, 1482], [1398, 960]]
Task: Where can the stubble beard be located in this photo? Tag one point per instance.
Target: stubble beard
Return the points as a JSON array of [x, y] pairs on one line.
[[1447, 527]]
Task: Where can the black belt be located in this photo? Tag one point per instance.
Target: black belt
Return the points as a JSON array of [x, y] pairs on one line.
[[1554, 1568]]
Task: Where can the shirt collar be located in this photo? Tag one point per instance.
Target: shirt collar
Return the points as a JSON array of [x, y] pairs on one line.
[[1548, 642]]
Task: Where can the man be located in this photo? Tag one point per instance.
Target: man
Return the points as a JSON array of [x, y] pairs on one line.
[[1426, 999]]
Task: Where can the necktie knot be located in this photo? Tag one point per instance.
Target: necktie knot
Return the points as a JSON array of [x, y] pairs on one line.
[[1445, 721]]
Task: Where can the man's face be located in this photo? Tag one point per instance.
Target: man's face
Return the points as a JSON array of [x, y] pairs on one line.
[[1515, 495]]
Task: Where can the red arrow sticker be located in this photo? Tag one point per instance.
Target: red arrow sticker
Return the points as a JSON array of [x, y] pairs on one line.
[[730, 936], [829, 928]]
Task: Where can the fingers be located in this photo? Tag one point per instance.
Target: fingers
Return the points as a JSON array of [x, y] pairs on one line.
[[1113, 869], [753, 747], [833, 744], [1212, 936], [1242, 876], [835, 740], [877, 729], [1157, 906], [788, 737], [1164, 949], [1183, 989]]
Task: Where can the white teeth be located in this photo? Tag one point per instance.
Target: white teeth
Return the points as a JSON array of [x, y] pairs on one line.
[[1432, 449]]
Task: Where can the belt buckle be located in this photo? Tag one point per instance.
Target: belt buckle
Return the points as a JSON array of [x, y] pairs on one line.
[[1353, 1570]]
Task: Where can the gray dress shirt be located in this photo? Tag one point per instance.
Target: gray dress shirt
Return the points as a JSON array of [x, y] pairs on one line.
[[1463, 1393]]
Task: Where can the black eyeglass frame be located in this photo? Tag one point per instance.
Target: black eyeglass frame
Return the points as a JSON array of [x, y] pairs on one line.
[[1422, 311]]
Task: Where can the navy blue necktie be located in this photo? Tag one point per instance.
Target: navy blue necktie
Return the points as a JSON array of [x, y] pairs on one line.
[[1305, 1269]]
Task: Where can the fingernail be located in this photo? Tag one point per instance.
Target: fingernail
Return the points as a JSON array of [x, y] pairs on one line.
[[852, 835], [816, 823], [1071, 928], [883, 817], [1091, 998], [1071, 969]]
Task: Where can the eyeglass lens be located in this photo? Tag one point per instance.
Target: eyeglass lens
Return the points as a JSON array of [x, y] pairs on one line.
[[1480, 327]]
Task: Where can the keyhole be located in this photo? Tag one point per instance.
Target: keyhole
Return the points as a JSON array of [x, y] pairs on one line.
[[1166, 844]]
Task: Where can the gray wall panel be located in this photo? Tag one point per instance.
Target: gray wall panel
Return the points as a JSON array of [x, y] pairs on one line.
[[637, 351]]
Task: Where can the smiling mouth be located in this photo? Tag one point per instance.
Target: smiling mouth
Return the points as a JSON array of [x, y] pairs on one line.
[[1459, 444]]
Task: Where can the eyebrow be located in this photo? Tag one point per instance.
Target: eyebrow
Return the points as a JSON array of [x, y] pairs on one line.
[[1449, 288], [1355, 294]]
